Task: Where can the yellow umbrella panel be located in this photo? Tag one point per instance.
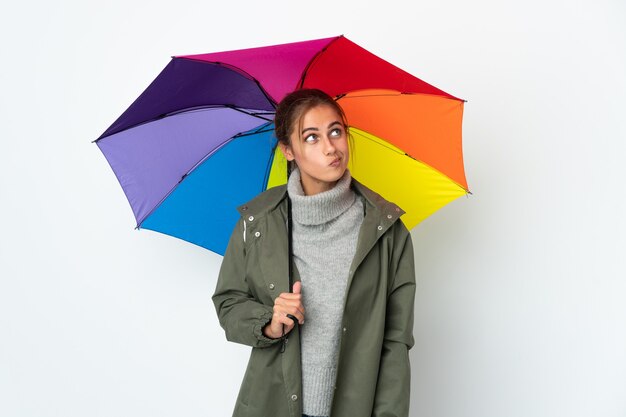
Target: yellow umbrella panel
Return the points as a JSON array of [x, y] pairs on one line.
[[417, 188]]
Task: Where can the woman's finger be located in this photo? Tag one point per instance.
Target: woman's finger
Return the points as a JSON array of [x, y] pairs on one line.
[[283, 320], [289, 303], [290, 296], [282, 312]]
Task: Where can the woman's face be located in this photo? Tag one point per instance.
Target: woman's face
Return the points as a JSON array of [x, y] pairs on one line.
[[320, 149]]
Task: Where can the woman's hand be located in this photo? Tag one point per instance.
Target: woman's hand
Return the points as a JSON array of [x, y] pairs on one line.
[[285, 303]]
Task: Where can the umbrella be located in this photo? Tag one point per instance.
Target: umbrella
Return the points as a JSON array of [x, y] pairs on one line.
[[199, 140]]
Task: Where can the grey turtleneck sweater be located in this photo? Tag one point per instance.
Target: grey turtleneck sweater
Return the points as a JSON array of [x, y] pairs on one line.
[[325, 232]]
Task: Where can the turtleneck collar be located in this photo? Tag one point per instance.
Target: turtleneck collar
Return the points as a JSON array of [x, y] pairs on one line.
[[322, 207]]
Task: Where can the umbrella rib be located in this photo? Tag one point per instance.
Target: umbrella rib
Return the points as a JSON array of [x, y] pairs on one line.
[[240, 71], [394, 149], [260, 129], [268, 168], [380, 143], [254, 114], [249, 76], [312, 60], [186, 110], [394, 93]]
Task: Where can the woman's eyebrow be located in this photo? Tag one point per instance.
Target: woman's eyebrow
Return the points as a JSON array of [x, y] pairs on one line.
[[309, 128], [336, 122]]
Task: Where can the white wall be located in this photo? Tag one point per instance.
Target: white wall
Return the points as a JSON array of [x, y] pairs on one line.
[[520, 309]]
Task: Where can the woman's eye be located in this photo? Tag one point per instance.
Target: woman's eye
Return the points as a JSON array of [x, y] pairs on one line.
[[335, 132], [310, 138]]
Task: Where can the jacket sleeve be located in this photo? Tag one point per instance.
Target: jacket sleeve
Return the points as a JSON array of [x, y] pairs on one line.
[[393, 389], [241, 316]]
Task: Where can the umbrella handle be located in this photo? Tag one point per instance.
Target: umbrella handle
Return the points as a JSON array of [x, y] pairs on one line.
[[290, 260], [282, 343], [295, 321]]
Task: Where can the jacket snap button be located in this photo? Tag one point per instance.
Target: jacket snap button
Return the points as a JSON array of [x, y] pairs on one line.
[[389, 216], [257, 234], [271, 286], [380, 228], [294, 397], [244, 208], [251, 218], [345, 330]]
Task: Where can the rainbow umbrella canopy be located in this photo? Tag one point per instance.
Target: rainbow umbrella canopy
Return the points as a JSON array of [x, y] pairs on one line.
[[199, 140]]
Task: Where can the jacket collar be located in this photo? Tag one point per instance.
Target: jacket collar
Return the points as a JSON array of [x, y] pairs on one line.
[[380, 215]]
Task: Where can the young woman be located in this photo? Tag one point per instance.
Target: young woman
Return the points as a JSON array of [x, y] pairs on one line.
[[338, 344]]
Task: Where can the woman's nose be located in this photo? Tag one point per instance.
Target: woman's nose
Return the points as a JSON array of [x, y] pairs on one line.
[[329, 146]]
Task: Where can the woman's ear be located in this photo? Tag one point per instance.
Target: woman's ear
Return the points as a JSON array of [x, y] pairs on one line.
[[286, 150]]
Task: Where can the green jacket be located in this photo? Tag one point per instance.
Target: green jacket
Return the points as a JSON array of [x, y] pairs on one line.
[[373, 374]]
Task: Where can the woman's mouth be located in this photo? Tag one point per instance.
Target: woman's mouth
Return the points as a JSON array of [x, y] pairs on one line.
[[335, 163]]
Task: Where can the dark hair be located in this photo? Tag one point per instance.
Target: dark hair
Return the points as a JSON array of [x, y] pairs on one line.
[[291, 108]]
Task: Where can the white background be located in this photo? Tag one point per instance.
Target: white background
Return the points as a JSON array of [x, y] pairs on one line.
[[520, 307]]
